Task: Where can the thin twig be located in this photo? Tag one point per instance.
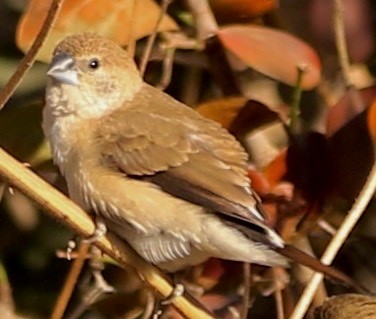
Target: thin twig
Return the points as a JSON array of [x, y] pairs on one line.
[[151, 38], [246, 291], [190, 90], [343, 55], [278, 299], [29, 58], [206, 24], [295, 103], [70, 282], [337, 241], [168, 63], [340, 39], [131, 41], [219, 65], [61, 208]]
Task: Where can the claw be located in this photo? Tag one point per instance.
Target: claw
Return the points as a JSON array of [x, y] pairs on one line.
[[70, 247], [99, 232], [178, 291]]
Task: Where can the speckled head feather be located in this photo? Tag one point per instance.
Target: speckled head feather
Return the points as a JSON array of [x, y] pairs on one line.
[[90, 45], [94, 72]]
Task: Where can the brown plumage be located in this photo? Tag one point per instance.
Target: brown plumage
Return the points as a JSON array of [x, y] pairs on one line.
[[170, 182]]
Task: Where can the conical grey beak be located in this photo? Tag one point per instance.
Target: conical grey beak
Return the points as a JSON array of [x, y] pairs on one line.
[[62, 69]]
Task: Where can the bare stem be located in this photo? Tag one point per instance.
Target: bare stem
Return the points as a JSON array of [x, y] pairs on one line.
[[151, 38], [337, 241], [340, 38], [204, 18], [71, 281], [247, 288], [29, 58], [343, 55], [168, 64], [295, 104], [278, 297]]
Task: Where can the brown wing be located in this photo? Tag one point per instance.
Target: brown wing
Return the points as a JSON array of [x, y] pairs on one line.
[[159, 139]]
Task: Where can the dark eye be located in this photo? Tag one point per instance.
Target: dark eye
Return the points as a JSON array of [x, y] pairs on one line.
[[94, 64]]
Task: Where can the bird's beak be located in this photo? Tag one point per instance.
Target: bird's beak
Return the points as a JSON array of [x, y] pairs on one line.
[[62, 69]]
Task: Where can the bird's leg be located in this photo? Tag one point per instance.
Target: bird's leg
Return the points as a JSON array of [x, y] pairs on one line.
[[178, 291], [99, 232], [160, 306]]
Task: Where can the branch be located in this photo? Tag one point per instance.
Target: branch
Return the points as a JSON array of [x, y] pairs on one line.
[[151, 38], [206, 25], [29, 58], [340, 39], [342, 52], [60, 207], [70, 282]]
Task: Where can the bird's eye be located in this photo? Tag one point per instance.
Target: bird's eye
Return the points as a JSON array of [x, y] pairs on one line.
[[94, 64]]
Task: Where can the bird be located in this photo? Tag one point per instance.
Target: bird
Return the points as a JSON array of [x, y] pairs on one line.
[[170, 182]]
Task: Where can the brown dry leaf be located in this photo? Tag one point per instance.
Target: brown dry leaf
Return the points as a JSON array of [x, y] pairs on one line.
[[348, 107], [223, 111], [234, 10], [352, 156], [372, 121], [272, 52], [119, 20], [238, 114]]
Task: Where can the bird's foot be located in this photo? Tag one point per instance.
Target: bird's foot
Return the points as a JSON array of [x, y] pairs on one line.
[[99, 232], [159, 309], [71, 246], [178, 291]]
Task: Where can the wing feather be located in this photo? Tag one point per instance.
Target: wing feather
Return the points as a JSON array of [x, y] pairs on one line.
[[159, 139]]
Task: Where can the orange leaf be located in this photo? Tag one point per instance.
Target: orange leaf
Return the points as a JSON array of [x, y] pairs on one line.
[[223, 111], [119, 20], [259, 182], [277, 169], [272, 52], [227, 10], [372, 121], [212, 273]]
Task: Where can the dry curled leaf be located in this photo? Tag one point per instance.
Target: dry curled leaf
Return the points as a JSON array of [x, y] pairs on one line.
[[372, 121], [119, 20]]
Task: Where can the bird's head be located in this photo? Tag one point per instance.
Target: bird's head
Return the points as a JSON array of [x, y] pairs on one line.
[[93, 73]]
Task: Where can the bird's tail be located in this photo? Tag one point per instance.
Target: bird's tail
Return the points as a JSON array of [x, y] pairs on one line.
[[306, 260]]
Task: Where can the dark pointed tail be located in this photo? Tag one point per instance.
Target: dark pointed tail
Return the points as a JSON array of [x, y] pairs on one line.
[[306, 260]]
